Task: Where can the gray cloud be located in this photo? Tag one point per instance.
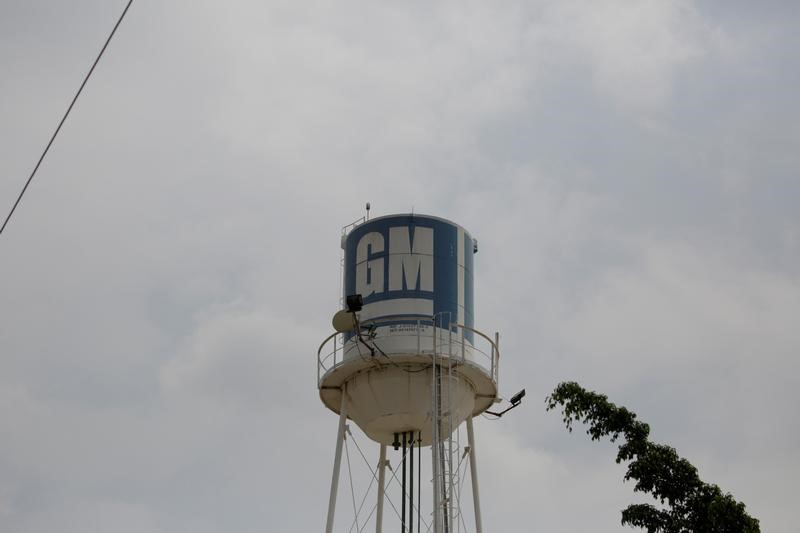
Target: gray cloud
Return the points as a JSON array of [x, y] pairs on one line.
[[629, 170]]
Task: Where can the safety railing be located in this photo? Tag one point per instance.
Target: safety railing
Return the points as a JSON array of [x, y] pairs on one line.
[[411, 335]]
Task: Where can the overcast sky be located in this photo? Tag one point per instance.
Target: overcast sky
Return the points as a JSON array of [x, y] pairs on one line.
[[630, 169]]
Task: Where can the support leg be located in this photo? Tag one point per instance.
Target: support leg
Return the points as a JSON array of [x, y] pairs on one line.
[[473, 468], [435, 428], [403, 485], [437, 512], [381, 488], [337, 462], [411, 484]]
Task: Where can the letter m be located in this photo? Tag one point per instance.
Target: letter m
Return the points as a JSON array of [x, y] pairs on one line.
[[412, 263]]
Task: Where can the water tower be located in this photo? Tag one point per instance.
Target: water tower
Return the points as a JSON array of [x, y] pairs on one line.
[[406, 363]]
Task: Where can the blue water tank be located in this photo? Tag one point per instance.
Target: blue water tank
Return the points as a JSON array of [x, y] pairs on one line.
[[409, 266], [416, 325]]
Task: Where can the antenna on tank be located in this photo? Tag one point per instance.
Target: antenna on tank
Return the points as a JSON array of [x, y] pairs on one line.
[[367, 211]]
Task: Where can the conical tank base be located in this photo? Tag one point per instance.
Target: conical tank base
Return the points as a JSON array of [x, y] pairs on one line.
[[394, 399]]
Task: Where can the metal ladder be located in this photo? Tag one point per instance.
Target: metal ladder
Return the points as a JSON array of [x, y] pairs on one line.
[[447, 515]]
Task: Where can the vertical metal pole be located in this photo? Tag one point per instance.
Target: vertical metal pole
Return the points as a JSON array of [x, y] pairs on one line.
[[450, 492], [450, 336], [459, 483], [496, 365], [491, 363], [437, 526], [463, 347], [419, 481], [337, 462], [403, 506], [381, 488], [445, 475], [436, 412], [473, 469], [411, 485]]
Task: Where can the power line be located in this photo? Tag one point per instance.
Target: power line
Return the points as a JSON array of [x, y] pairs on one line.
[[74, 99]]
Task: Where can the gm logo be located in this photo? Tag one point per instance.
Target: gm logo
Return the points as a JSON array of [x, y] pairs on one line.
[[410, 261]]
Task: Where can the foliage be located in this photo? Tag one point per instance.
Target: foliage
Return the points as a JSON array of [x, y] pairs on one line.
[[688, 505]]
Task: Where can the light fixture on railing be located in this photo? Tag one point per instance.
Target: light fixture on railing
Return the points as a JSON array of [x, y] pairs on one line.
[[354, 303], [345, 320], [515, 401]]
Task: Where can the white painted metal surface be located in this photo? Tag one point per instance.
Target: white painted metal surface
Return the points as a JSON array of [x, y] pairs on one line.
[[337, 462], [381, 489], [423, 370], [473, 470]]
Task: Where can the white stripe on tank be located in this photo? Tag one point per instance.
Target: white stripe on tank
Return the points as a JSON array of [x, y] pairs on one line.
[[397, 306]]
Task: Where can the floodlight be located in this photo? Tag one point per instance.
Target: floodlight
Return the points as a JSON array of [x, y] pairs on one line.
[[515, 401], [354, 303], [517, 397]]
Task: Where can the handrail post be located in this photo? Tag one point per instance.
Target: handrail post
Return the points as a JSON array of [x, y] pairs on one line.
[[492, 357], [419, 350], [495, 366], [450, 335], [463, 353]]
